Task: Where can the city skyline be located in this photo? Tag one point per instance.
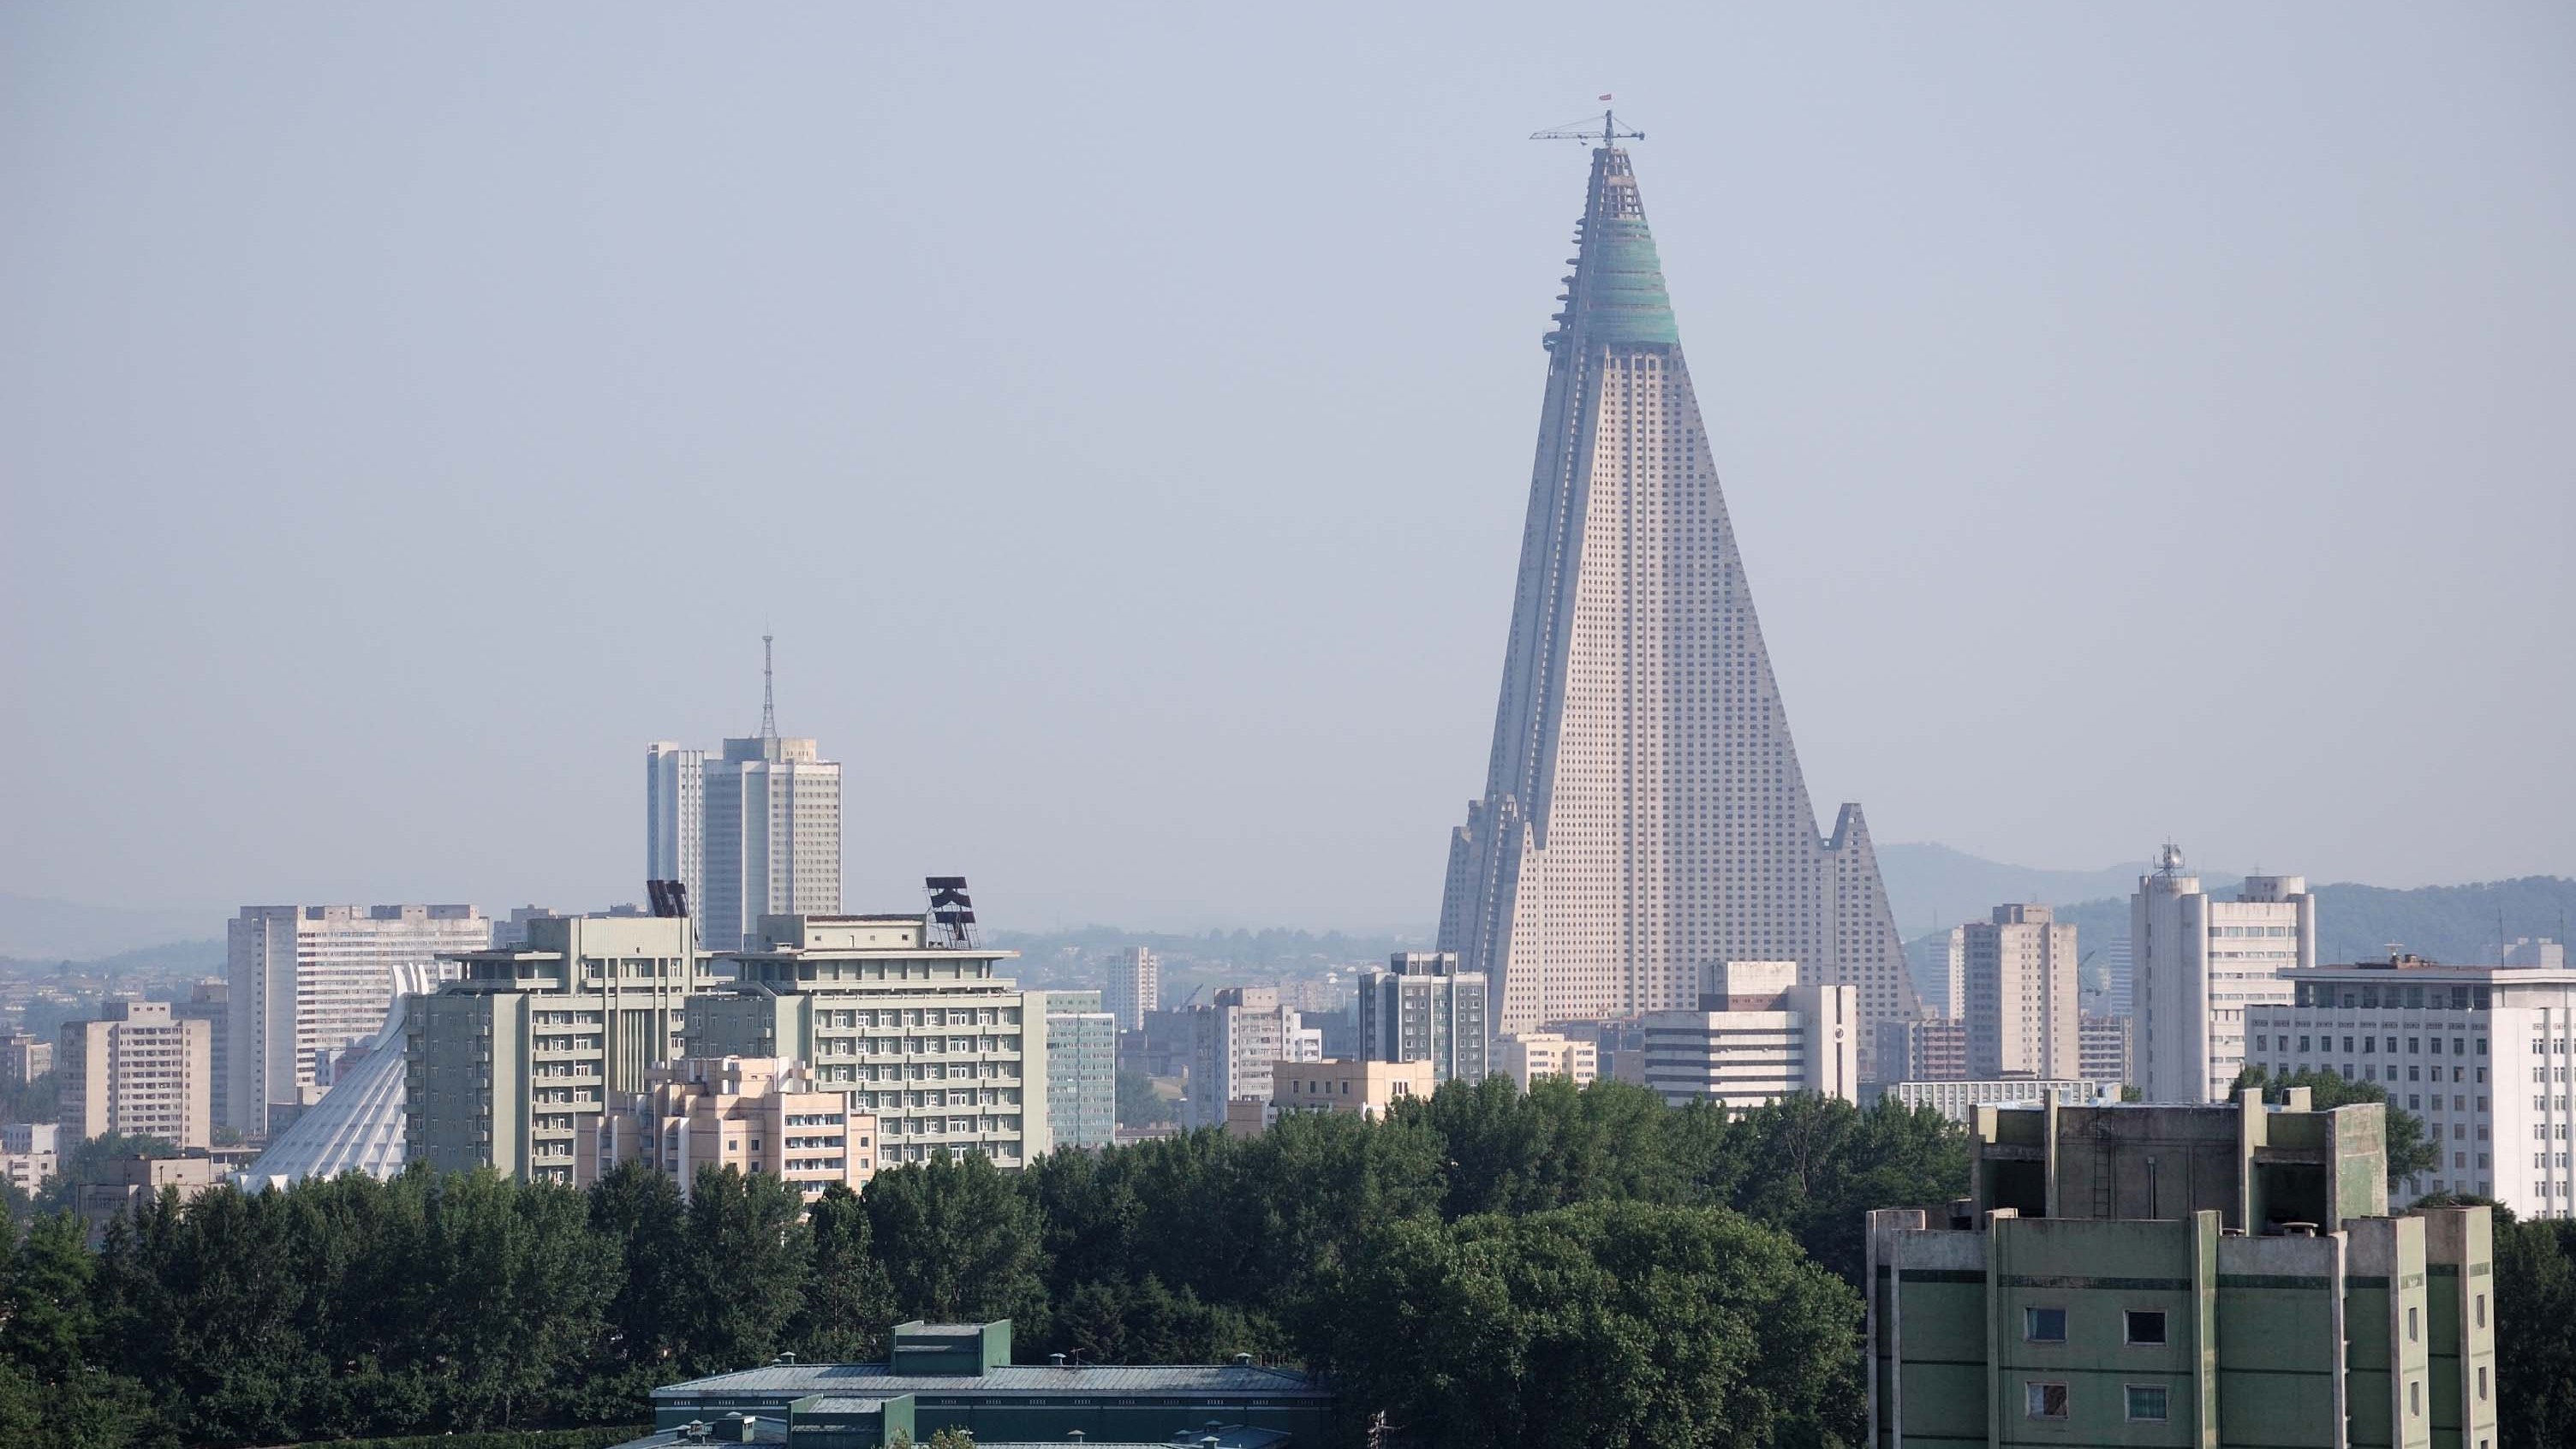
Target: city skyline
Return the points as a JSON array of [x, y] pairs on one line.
[[2071, 337]]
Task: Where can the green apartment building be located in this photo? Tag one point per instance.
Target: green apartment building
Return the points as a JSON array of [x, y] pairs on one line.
[[2215, 1276], [506, 1067], [945, 1052]]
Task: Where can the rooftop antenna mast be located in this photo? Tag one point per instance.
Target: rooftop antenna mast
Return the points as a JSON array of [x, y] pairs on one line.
[[768, 699], [1606, 131]]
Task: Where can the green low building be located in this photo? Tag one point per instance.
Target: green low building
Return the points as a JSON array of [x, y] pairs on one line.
[[2213, 1276], [960, 1375]]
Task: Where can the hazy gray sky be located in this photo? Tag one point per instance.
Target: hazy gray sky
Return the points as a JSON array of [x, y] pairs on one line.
[[2138, 421]]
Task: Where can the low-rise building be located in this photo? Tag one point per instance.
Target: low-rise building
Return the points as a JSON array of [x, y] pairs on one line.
[[752, 1114], [960, 1375], [1365, 1089], [1535, 1054], [2480, 1053], [1757, 1036], [109, 1187], [29, 1152], [137, 1070], [1958, 1101], [2133, 1274]]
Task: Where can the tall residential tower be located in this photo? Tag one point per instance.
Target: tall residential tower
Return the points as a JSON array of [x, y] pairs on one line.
[[1644, 818]]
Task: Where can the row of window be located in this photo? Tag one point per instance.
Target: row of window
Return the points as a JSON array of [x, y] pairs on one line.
[[2370, 1045], [2141, 1403]]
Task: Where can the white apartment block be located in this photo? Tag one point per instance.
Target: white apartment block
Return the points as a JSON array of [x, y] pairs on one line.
[[928, 1037], [1757, 1035], [675, 817], [1234, 1043], [303, 982], [137, 1070], [1135, 987], [2480, 1053], [771, 840], [2200, 964], [1535, 1054], [2018, 970]]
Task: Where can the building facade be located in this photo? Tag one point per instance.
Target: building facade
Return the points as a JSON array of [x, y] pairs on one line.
[[1926, 1049], [1082, 1069], [2018, 970], [1135, 987], [771, 841], [138, 1070], [2480, 1053], [1757, 1036], [1644, 814], [675, 818], [752, 1114], [1423, 1008], [210, 1002], [2102, 1050], [1234, 1041], [24, 1057], [2200, 964], [929, 1038], [1533, 1055], [305, 981], [1353, 1088], [508, 1067], [1958, 1101], [2188, 1275]]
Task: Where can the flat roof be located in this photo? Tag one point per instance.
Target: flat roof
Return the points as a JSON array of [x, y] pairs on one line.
[[876, 1380]]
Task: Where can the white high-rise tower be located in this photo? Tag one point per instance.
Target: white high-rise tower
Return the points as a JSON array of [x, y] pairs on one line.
[[754, 831], [1644, 816]]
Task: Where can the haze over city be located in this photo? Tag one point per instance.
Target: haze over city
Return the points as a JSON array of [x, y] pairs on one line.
[[2138, 424]]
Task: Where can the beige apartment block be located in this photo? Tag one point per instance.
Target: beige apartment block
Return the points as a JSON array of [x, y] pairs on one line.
[[752, 1114], [138, 1070], [1356, 1088], [2019, 973], [2201, 964], [304, 982], [1534, 1054]]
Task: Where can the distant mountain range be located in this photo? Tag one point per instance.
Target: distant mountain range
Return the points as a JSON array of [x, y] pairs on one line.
[[37, 928], [1933, 885]]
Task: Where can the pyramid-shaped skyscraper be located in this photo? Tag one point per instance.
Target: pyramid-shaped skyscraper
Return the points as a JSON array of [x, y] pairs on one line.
[[1644, 815]]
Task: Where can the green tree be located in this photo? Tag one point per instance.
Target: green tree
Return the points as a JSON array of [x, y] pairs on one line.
[[1609, 1322], [54, 1194], [1139, 1105], [745, 1258], [2410, 1153], [2535, 1333], [54, 1359], [959, 1241], [848, 1300], [636, 1211], [1814, 1167]]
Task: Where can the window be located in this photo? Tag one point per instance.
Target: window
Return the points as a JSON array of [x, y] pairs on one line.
[[2048, 1401], [2044, 1325], [2482, 1316], [2413, 1323], [2145, 1325], [2146, 1403]]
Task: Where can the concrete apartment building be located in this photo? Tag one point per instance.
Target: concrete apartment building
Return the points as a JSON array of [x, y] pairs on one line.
[[2184, 1275], [1532, 1055], [1926, 1049], [752, 1114], [29, 1152], [2200, 964], [210, 1002], [1234, 1041], [1756, 1036], [926, 1036], [1135, 987], [2018, 972], [509, 1066], [303, 981], [771, 841], [2480, 1053], [137, 1070], [23, 1058], [1082, 1069], [1422, 1008], [2102, 1049], [675, 819]]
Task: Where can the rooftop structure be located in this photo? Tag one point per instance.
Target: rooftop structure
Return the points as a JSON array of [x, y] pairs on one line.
[[961, 1375], [1644, 814]]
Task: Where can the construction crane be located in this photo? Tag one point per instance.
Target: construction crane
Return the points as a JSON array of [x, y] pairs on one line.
[[1605, 131]]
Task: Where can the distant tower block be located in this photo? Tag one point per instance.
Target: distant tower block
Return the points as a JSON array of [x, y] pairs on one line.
[[1644, 816]]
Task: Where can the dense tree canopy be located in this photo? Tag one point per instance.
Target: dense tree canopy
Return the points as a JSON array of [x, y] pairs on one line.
[[1630, 1252]]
